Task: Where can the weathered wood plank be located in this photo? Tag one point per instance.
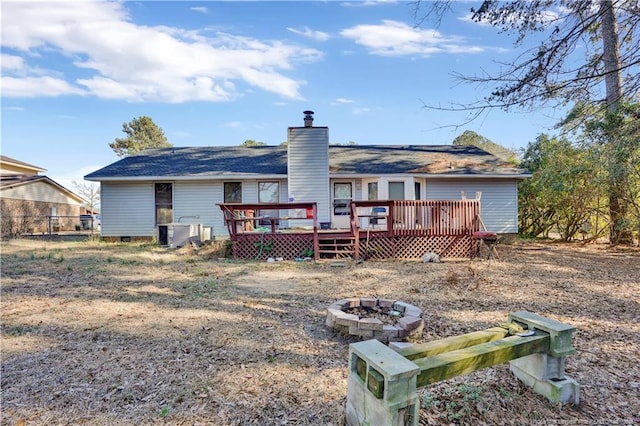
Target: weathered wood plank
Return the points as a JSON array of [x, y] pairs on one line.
[[463, 361], [453, 343]]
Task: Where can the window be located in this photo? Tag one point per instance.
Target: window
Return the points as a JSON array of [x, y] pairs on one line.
[[268, 192], [233, 192], [372, 190], [164, 202], [342, 196], [396, 190]]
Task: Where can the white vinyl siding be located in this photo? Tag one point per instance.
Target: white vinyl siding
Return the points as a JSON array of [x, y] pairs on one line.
[[498, 202], [201, 198], [250, 191], [127, 209], [308, 167], [284, 191], [195, 203], [357, 190]]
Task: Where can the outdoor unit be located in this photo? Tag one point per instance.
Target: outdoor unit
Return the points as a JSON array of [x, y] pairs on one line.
[[178, 234], [205, 235]]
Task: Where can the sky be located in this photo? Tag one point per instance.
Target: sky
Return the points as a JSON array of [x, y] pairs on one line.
[[219, 73]]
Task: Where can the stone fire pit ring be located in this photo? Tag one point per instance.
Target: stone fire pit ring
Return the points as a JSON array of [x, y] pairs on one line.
[[409, 322]]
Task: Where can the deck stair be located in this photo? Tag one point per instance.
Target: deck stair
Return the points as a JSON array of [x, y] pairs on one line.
[[336, 247]]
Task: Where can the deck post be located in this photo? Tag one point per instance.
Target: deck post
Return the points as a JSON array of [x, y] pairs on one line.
[[355, 231], [390, 216], [316, 241]]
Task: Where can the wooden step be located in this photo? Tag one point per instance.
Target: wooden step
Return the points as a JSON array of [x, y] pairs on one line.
[[336, 252], [336, 247]]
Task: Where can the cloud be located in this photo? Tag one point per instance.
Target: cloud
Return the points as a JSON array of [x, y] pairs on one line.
[[114, 58], [344, 101], [11, 62], [368, 3], [32, 87], [201, 9], [13, 108], [393, 38], [309, 33]]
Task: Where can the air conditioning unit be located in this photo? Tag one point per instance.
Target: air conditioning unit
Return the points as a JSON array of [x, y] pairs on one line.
[[206, 233], [178, 234]]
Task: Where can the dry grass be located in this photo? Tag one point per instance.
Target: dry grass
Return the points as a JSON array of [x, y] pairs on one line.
[[96, 333]]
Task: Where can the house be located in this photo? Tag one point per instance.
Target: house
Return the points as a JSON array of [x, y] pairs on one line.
[[34, 203], [142, 194]]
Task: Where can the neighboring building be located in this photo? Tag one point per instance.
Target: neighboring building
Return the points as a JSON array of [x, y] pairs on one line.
[[10, 166], [30, 202], [183, 185]]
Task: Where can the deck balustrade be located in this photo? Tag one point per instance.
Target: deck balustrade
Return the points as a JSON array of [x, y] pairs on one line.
[[395, 227]]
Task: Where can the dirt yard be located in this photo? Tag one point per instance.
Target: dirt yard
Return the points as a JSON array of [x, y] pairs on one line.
[[97, 333]]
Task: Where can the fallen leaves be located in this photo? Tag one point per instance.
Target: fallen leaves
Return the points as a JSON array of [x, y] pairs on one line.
[[150, 338]]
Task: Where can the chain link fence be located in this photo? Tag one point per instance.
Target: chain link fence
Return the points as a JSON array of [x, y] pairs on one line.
[[13, 226]]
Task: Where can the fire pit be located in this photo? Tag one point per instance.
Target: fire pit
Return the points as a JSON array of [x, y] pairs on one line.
[[382, 319]]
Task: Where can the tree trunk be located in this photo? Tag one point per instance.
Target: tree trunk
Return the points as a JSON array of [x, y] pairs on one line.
[[611, 55], [617, 177]]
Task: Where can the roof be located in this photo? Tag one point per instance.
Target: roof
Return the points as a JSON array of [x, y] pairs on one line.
[[447, 160], [356, 160], [198, 161], [11, 161], [12, 181]]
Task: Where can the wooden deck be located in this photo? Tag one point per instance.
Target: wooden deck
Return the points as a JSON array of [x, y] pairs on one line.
[[389, 229]]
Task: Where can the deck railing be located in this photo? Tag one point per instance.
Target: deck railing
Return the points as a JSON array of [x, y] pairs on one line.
[[241, 218], [394, 220], [417, 217]]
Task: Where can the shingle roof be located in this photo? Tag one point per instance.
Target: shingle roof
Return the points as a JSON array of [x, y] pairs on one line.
[[198, 161], [272, 160], [418, 159], [8, 181]]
